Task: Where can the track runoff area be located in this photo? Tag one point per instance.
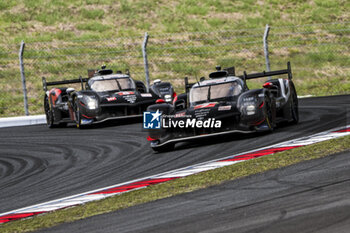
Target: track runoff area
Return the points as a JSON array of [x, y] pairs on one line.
[[170, 175]]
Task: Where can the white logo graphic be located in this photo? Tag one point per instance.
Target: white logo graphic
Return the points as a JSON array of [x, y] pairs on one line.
[[151, 120]]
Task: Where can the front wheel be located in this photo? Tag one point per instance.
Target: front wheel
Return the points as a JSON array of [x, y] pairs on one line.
[[48, 113], [77, 114], [269, 113]]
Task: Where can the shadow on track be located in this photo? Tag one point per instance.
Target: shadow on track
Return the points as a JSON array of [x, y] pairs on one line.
[[200, 142], [106, 124]]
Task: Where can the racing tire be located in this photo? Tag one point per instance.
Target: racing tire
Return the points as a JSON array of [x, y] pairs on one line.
[[294, 109], [77, 114], [48, 113], [166, 148], [268, 112]]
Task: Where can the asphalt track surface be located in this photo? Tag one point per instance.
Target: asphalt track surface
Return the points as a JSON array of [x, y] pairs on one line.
[[38, 164], [311, 196]]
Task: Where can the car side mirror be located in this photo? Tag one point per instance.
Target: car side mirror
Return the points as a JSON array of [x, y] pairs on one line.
[[70, 90], [180, 105], [269, 85]]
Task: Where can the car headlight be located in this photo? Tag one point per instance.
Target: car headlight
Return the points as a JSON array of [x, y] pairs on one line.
[[250, 110], [91, 102], [167, 98]]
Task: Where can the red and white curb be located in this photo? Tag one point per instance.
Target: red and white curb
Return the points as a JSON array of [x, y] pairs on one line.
[[170, 175]]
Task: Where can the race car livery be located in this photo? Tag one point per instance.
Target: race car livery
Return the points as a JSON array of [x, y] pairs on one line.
[[104, 95], [224, 104]]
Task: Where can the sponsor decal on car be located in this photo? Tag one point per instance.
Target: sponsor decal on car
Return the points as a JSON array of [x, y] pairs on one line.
[[206, 105], [201, 113], [111, 99], [249, 99], [146, 94], [130, 98], [224, 108], [180, 114], [125, 93], [86, 121]]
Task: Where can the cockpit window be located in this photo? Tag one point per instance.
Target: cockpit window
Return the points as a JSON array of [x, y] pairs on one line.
[[113, 84], [201, 94], [126, 83], [225, 90]]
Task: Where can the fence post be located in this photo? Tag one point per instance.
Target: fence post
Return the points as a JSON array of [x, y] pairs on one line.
[[145, 61], [266, 48], [21, 66]]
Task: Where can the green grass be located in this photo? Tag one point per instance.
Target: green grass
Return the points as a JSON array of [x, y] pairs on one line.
[[75, 27], [93, 26], [180, 186]]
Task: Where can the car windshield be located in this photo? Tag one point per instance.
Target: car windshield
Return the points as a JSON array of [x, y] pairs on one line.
[[114, 84], [201, 94]]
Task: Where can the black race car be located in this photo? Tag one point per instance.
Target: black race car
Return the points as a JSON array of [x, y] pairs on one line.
[[224, 104], [104, 95]]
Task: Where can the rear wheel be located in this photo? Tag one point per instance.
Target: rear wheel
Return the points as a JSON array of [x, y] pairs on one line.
[[48, 113], [294, 107]]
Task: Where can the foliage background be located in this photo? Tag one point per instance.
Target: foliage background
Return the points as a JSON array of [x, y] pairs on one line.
[[64, 38]]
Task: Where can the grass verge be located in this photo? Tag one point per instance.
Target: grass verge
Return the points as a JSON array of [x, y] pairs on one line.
[[184, 185]]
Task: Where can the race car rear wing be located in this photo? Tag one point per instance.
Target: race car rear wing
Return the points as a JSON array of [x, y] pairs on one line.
[[245, 76], [263, 74], [55, 83], [288, 71]]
